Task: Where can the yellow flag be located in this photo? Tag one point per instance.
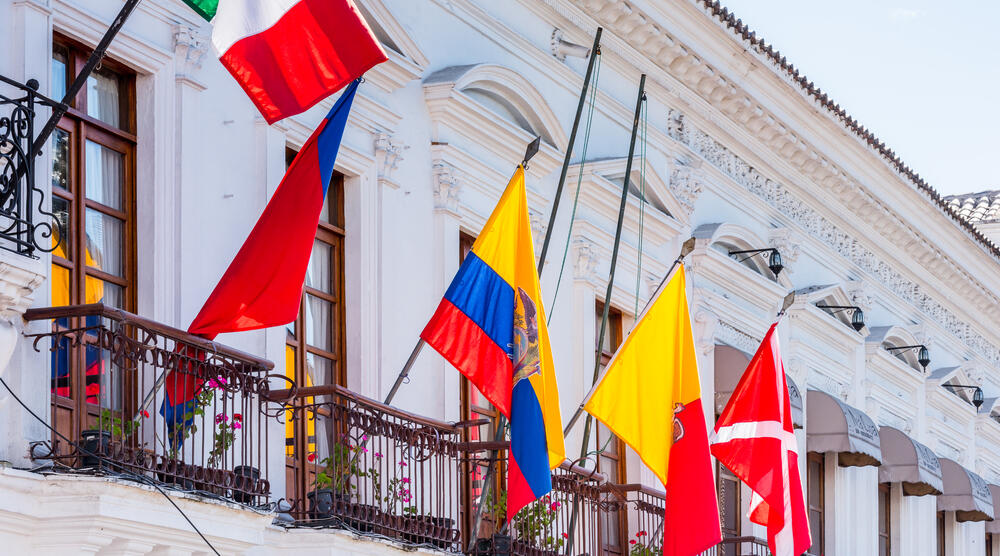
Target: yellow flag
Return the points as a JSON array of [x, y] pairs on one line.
[[650, 395]]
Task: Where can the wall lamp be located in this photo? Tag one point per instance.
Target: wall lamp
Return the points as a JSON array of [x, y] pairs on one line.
[[857, 319], [923, 356], [773, 261], [977, 396]]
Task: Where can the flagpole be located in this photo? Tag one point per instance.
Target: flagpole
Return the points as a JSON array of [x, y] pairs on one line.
[[595, 51], [640, 98], [686, 248]]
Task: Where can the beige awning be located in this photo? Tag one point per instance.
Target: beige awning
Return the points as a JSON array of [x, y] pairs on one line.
[[906, 461], [965, 493], [837, 427], [994, 526], [730, 363]]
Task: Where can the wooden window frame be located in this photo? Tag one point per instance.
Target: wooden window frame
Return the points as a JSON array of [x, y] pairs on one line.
[[615, 336], [299, 471], [942, 532], [883, 488], [819, 537], [71, 415], [722, 473]]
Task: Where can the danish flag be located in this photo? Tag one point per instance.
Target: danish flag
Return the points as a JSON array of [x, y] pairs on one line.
[[754, 438]]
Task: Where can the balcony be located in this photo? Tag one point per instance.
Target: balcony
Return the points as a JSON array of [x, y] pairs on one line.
[[110, 371], [739, 546]]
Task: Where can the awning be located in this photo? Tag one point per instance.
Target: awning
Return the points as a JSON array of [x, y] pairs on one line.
[[906, 461], [965, 493], [994, 526], [837, 427], [730, 363]]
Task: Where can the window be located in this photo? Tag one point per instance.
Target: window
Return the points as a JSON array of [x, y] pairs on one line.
[[817, 505], [941, 544], [93, 199], [314, 343], [884, 520], [611, 456], [475, 406], [728, 486]]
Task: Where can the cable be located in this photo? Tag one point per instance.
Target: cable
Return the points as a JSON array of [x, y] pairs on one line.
[[124, 471]]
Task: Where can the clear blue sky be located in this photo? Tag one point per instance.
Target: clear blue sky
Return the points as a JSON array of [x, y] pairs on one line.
[[923, 75]]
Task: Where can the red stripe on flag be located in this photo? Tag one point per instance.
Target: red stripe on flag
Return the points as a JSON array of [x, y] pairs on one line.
[[464, 344], [316, 48], [519, 493], [691, 524]]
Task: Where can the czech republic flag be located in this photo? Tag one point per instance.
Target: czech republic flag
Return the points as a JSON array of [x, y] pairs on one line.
[[491, 327]]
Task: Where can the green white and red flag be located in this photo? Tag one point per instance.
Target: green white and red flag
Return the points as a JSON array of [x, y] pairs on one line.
[[290, 54]]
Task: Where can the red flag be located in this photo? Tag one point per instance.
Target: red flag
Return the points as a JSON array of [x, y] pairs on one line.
[[754, 438]]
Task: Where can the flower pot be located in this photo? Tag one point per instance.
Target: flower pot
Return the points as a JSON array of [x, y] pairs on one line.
[[497, 545], [171, 472], [436, 531], [245, 483], [93, 444]]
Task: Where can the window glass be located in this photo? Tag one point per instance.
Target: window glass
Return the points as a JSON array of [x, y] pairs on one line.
[[318, 273], [105, 175], [105, 242], [60, 159], [57, 88], [318, 316], [103, 97], [61, 235]]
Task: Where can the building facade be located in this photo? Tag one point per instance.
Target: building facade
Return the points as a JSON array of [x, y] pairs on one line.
[[161, 166]]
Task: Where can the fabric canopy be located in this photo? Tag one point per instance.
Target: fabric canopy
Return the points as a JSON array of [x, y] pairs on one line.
[[837, 427], [906, 461], [730, 363], [965, 493]]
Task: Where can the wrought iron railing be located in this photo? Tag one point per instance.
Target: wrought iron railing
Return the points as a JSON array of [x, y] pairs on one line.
[[135, 397], [372, 468], [739, 546], [20, 197]]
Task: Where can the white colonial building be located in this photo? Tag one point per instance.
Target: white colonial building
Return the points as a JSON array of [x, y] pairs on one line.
[[161, 166]]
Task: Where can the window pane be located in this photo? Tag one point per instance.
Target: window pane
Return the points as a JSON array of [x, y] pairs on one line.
[[816, 528], [99, 291], [60, 159], [60, 286], [319, 370], [105, 242], [62, 236], [318, 275], [103, 97], [57, 89], [105, 175], [318, 313]]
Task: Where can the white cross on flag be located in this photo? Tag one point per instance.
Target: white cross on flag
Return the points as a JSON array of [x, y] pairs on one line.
[[754, 438]]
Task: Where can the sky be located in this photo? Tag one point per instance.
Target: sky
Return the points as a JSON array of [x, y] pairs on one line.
[[924, 76]]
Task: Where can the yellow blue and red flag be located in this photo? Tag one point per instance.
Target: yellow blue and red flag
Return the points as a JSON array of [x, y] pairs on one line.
[[491, 327]]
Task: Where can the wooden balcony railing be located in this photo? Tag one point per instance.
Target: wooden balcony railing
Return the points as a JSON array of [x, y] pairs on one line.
[[110, 373]]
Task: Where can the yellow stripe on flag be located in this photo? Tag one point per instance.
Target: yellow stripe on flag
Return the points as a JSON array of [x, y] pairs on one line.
[[653, 371]]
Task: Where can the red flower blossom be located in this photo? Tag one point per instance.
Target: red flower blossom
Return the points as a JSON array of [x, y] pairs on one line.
[[145, 413], [237, 416], [311, 458]]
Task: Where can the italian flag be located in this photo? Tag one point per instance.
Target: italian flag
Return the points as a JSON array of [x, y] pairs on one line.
[[290, 54]]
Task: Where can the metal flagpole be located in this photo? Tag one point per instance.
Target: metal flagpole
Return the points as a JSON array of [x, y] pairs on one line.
[[611, 283], [686, 248], [595, 51]]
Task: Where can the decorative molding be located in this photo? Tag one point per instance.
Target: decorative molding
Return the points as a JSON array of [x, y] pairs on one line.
[[539, 224], [686, 183], [737, 338], [190, 47], [828, 384], [706, 327], [17, 288], [586, 259], [784, 240], [860, 294], [447, 188], [779, 197], [388, 153]]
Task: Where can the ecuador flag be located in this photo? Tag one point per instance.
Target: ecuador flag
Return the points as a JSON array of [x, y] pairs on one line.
[[491, 327], [650, 397]]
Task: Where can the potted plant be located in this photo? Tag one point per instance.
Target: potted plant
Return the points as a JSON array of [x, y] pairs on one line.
[[532, 525], [94, 443], [333, 484], [639, 546]]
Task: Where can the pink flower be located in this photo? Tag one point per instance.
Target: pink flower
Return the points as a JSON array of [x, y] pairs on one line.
[[406, 480], [221, 418], [631, 541], [402, 464], [237, 425], [378, 455], [555, 506]]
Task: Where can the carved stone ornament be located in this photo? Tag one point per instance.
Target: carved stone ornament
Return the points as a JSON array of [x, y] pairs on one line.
[[447, 188], [586, 258], [388, 153], [816, 225], [539, 223], [685, 183], [784, 241], [737, 338], [706, 326], [190, 47]]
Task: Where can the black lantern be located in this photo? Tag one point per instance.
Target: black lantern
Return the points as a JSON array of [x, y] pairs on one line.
[[923, 356], [857, 317], [977, 394], [773, 261]]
